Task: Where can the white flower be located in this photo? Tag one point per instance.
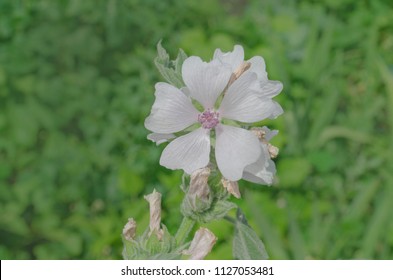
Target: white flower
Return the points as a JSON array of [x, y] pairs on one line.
[[264, 169], [173, 111], [267, 88]]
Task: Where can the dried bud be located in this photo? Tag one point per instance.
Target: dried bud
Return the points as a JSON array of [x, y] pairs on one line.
[[201, 245], [154, 200], [273, 150], [232, 187], [129, 229], [199, 191]]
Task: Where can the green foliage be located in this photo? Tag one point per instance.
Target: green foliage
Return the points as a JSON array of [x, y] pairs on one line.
[[147, 246], [170, 70], [77, 81]]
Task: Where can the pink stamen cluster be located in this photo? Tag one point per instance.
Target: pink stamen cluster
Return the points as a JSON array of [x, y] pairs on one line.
[[209, 119]]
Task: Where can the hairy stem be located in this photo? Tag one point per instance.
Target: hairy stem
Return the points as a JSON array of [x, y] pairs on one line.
[[184, 230]]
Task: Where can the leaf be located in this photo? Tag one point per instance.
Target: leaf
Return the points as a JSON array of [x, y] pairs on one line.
[[246, 243], [170, 70], [377, 225]]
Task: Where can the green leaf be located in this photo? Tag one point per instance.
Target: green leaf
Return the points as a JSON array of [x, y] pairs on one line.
[[170, 70], [246, 243]]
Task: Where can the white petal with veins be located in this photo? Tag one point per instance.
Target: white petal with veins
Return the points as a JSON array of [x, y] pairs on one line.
[[235, 149], [262, 171], [205, 81], [160, 138], [172, 110], [234, 58], [188, 152], [242, 103]]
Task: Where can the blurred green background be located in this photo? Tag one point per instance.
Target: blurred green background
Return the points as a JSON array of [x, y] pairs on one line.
[[77, 81]]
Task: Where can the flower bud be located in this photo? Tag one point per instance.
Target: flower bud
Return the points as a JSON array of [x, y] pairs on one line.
[[199, 192], [201, 245], [259, 132], [129, 230], [264, 135], [154, 200], [232, 187], [273, 150]]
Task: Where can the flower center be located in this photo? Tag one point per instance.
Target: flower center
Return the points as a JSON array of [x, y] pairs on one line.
[[209, 119]]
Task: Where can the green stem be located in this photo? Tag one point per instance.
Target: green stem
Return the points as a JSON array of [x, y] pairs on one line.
[[184, 230]]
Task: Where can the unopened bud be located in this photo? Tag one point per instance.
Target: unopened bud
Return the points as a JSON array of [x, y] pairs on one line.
[[273, 150], [264, 135], [199, 191], [232, 187], [129, 229], [201, 245], [259, 132], [154, 200], [199, 183]]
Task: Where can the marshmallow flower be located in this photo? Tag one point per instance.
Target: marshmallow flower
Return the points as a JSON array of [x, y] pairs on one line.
[[207, 86]]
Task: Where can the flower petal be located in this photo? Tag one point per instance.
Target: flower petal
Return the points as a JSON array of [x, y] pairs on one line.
[[271, 88], [205, 81], [262, 171], [235, 149], [269, 134], [160, 138], [268, 88], [242, 103], [234, 58], [188, 152], [276, 109], [258, 66], [172, 110]]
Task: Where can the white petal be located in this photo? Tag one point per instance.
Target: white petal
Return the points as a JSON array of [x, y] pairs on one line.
[[235, 149], [275, 109], [205, 81], [258, 66], [262, 171], [242, 103], [269, 134], [268, 88], [160, 138], [188, 152], [271, 88], [234, 58], [172, 110]]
